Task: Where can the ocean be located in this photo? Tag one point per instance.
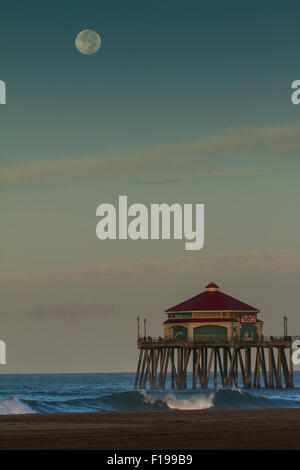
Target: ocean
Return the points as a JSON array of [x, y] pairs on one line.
[[70, 393]]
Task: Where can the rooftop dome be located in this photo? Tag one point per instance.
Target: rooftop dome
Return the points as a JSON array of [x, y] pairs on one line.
[[211, 287]]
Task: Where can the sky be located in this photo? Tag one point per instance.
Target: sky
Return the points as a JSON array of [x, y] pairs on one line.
[[186, 102]]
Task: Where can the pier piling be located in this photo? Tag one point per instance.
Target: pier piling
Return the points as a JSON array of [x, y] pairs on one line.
[[227, 363]]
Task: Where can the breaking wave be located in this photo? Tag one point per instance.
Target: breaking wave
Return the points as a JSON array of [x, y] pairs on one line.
[[154, 400], [14, 406]]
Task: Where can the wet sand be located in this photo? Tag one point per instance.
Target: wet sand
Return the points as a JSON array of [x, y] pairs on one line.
[[269, 429]]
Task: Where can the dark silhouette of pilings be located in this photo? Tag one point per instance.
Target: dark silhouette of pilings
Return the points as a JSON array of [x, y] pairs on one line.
[[223, 361]]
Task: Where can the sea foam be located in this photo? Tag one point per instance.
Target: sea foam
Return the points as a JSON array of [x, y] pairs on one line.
[[14, 406]]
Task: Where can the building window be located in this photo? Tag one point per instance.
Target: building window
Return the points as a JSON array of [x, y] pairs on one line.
[[210, 332], [179, 332], [248, 334], [180, 315]]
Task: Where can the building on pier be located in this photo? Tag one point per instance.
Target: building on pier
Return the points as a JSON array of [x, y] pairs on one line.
[[213, 314], [218, 339]]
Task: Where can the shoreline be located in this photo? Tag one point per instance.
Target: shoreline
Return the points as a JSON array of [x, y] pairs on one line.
[[240, 429]]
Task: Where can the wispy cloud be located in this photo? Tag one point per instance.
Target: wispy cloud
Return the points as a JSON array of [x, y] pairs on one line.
[[212, 174], [268, 140], [262, 261], [74, 309]]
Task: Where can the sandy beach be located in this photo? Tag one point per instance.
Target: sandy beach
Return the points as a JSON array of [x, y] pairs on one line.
[[269, 429]]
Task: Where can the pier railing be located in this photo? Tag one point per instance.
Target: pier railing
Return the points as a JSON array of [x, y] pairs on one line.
[[217, 339]]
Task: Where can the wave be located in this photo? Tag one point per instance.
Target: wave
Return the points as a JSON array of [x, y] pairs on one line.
[[156, 400], [177, 402], [14, 406], [200, 400]]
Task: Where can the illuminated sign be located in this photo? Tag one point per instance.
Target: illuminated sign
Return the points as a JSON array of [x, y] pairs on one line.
[[248, 319]]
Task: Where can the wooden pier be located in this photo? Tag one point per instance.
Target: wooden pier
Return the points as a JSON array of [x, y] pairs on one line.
[[221, 360]]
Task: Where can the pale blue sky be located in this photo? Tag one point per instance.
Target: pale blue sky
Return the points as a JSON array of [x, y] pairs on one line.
[[184, 102]]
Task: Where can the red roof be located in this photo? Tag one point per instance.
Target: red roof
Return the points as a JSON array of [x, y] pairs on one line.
[[206, 320], [212, 300]]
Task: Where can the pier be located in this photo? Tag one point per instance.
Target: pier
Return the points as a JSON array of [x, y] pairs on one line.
[[214, 335], [220, 359]]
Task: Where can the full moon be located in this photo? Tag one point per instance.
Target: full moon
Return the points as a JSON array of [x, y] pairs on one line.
[[88, 41]]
